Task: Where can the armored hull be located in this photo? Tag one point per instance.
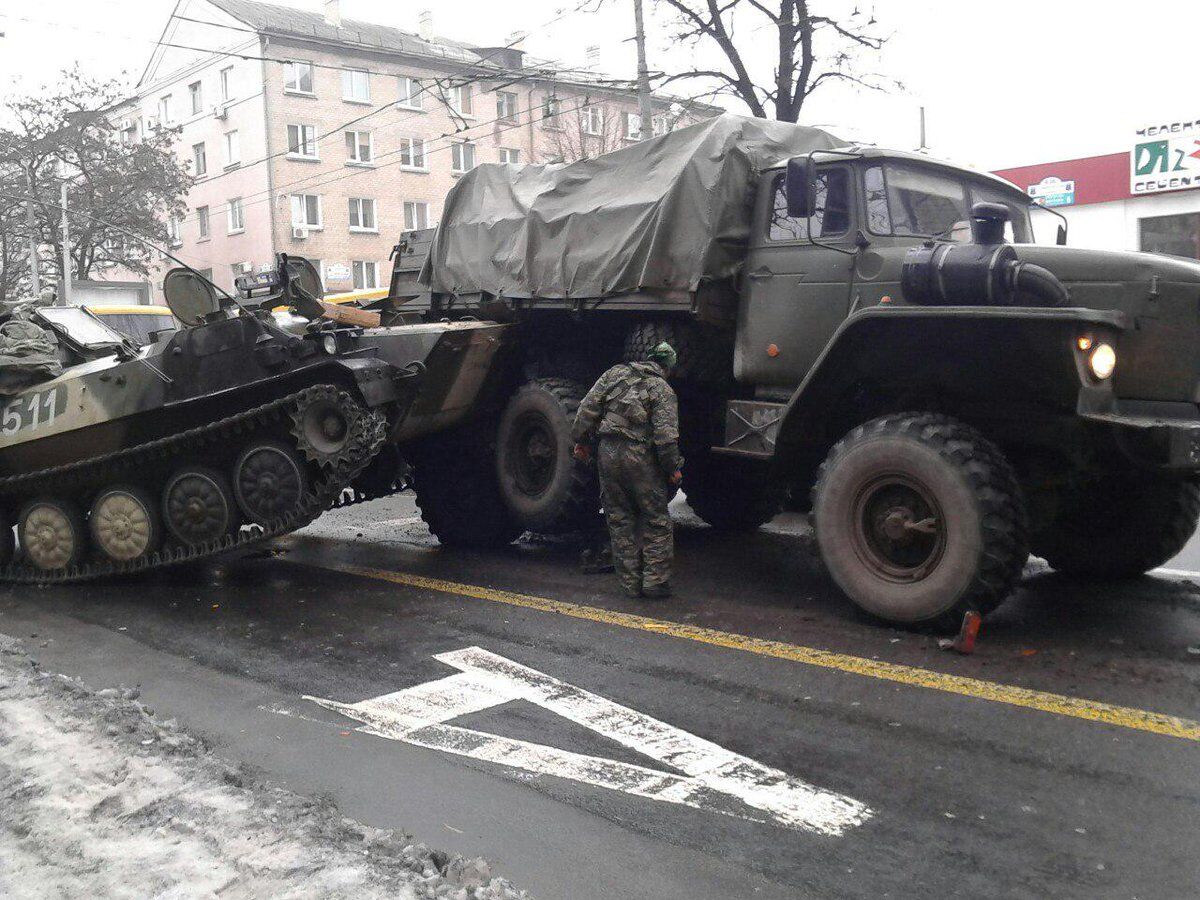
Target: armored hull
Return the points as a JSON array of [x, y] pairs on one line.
[[216, 436]]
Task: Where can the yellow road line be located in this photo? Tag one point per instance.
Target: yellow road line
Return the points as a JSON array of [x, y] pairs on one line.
[[1059, 704]]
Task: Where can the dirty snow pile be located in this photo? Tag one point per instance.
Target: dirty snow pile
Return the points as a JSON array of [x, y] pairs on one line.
[[99, 799]]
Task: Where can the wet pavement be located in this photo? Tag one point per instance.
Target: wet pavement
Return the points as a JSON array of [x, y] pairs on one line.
[[1081, 785]]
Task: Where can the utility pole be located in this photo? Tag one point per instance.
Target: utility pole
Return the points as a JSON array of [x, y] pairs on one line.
[[65, 299], [35, 278], [643, 73]]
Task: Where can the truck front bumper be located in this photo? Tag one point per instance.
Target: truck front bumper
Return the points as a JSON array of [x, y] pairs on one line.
[[1159, 434]]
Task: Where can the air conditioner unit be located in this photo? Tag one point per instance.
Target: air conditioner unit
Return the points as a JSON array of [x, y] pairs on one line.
[[126, 124], [221, 110], [299, 232]]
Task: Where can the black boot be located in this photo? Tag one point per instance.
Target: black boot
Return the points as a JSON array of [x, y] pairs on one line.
[[657, 591]]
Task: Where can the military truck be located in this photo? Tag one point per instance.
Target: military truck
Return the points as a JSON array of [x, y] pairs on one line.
[[871, 332], [242, 425]]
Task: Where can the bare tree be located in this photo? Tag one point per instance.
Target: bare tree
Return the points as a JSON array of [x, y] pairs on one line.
[[810, 50], [136, 186], [584, 131]]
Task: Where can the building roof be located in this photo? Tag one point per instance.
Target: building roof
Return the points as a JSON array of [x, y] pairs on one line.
[[269, 18]]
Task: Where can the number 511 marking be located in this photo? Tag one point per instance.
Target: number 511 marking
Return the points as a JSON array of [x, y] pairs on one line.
[[32, 412]]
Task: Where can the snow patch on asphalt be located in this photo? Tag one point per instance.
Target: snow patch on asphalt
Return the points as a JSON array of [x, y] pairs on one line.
[[100, 799]]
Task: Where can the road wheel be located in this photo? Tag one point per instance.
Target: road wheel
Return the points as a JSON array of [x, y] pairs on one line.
[[8, 539], [457, 490], [52, 534], [1120, 526], [125, 524], [198, 506], [731, 494], [269, 481], [919, 519], [545, 487]]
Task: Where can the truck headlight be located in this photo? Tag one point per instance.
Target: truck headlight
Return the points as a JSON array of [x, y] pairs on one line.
[[329, 342], [1102, 361]]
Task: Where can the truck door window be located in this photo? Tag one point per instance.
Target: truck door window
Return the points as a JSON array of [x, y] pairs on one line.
[[831, 215], [911, 201]]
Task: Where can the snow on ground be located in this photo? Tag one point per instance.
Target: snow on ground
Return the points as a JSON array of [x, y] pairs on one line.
[[99, 799]]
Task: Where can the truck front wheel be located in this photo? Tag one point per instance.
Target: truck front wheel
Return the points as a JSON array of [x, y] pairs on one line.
[[919, 519], [731, 494], [1120, 526]]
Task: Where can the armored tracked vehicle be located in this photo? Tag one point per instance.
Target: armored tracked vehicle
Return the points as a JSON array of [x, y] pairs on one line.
[[242, 425]]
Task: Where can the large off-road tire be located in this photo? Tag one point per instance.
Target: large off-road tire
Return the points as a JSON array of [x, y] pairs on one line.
[[457, 491], [919, 519], [731, 494], [1120, 526], [705, 353], [546, 489]]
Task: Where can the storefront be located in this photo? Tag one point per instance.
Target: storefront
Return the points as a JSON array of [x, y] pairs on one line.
[[1144, 198]]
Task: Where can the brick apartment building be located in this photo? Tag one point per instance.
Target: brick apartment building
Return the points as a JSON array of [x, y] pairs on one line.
[[326, 138]]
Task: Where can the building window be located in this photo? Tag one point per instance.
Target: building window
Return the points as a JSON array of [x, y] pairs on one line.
[[410, 93], [460, 100], [462, 157], [129, 134], [1177, 235], [416, 215], [298, 77], [593, 119], [506, 105], [366, 275], [659, 124], [237, 221], [199, 160], [360, 147], [306, 211], [510, 156], [412, 154], [233, 149], [356, 86], [202, 222], [165, 114], [227, 82], [362, 214], [551, 109], [633, 126], [196, 93], [173, 231], [302, 141]]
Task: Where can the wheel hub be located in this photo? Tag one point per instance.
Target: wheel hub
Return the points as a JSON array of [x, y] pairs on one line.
[[898, 528], [537, 456], [50, 538], [122, 526]]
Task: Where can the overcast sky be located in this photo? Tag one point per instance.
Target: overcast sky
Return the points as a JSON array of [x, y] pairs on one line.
[[1003, 84]]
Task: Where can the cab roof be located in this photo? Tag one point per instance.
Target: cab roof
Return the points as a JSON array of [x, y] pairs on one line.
[[871, 152]]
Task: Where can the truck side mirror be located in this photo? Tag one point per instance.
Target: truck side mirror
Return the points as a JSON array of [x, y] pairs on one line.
[[799, 187]]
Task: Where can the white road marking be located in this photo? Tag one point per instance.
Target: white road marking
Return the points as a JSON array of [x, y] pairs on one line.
[[714, 779]]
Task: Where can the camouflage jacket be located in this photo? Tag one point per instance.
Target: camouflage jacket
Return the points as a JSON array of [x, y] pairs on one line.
[[632, 401]]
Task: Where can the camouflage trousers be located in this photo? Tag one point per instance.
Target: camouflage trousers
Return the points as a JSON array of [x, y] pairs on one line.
[[635, 495]]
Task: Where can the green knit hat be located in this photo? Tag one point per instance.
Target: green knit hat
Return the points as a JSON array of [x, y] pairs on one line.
[[664, 354]]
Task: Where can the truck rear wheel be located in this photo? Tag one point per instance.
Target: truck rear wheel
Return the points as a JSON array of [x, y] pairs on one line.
[[1122, 526], [545, 487], [705, 355], [458, 493], [731, 494], [919, 519]]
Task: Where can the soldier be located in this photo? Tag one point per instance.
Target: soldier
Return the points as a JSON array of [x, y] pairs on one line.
[[634, 413]]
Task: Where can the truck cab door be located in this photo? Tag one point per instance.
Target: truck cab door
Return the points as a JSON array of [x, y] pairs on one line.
[[795, 293]]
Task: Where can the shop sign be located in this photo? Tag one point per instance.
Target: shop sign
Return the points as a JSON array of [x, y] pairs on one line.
[[1053, 191], [337, 272], [1165, 157]]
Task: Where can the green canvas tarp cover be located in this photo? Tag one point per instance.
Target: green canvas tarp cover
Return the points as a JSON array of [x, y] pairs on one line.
[[28, 352], [660, 215]]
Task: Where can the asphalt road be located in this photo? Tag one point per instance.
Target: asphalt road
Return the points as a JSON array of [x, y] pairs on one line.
[[971, 789]]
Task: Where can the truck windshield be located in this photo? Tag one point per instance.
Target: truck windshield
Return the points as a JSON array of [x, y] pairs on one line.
[[909, 200], [80, 326]]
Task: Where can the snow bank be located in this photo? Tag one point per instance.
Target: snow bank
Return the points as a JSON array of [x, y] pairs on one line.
[[99, 799]]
